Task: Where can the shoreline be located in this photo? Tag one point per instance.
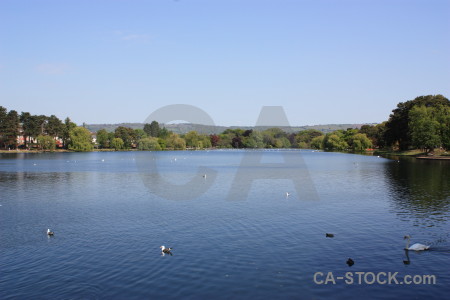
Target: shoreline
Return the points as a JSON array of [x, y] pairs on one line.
[[418, 154]]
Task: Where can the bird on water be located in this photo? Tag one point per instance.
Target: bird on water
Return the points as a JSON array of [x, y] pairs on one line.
[[49, 232], [350, 262], [415, 247], [165, 250]]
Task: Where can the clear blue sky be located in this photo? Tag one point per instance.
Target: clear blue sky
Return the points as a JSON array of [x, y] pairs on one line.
[[323, 61]]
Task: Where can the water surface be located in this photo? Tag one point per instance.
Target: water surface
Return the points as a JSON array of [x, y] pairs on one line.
[[109, 221]]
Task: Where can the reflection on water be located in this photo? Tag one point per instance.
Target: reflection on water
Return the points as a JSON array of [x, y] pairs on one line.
[[420, 191]]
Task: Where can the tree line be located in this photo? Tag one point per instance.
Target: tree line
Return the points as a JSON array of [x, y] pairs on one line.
[[38, 131], [422, 123]]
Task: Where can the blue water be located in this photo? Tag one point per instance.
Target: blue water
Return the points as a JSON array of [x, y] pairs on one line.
[[111, 211]]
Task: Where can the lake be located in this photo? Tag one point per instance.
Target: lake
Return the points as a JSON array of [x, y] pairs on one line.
[[235, 233]]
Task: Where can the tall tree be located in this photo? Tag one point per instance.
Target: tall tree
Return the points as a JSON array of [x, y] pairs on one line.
[[67, 127], [152, 129], [9, 128], [3, 125], [54, 127], [25, 120]]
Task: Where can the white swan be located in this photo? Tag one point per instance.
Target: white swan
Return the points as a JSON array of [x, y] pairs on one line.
[[415, 247]]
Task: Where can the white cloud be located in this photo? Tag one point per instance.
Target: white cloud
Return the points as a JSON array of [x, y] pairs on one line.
[[52, 68]]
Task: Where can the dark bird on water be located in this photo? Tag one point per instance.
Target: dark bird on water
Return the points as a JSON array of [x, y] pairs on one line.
[[350, 262], [165, 250], [49, 232], [330, 235]]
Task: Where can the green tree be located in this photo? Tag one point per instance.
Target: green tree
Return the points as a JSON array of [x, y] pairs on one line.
[[258, 139], [46, 142], [361, 142], [152, 129], [204, 141], [334, 141], [126, 134], [149, 143], [80, 140], [24, 119], [9, 128], [117, 144], [303, 138], [103, 138], [54, 126], [192, 138], [175, 142], [67, 128], [164, 133], [397, 127], [3, 125], [424, 128], [317, 142], [139, 134], [443, 117]]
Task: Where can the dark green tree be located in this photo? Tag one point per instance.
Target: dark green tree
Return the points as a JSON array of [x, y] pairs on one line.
[[11, 130], [25, 118], [397, 132], [126, 134], [67, 127], [152, 129], [3, 125], [54, 126]]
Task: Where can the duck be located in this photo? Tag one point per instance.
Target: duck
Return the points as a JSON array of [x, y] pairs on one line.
[[350, 262], [165, 250], [330, 235], [415, 247], [49, 232]]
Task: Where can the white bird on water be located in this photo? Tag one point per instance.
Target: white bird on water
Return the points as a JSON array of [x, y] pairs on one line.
[[204, 176], [287, 194], [415, 247], [49, 232]]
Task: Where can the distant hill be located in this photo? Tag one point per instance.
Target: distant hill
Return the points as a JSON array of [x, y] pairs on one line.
[[186, 127]]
